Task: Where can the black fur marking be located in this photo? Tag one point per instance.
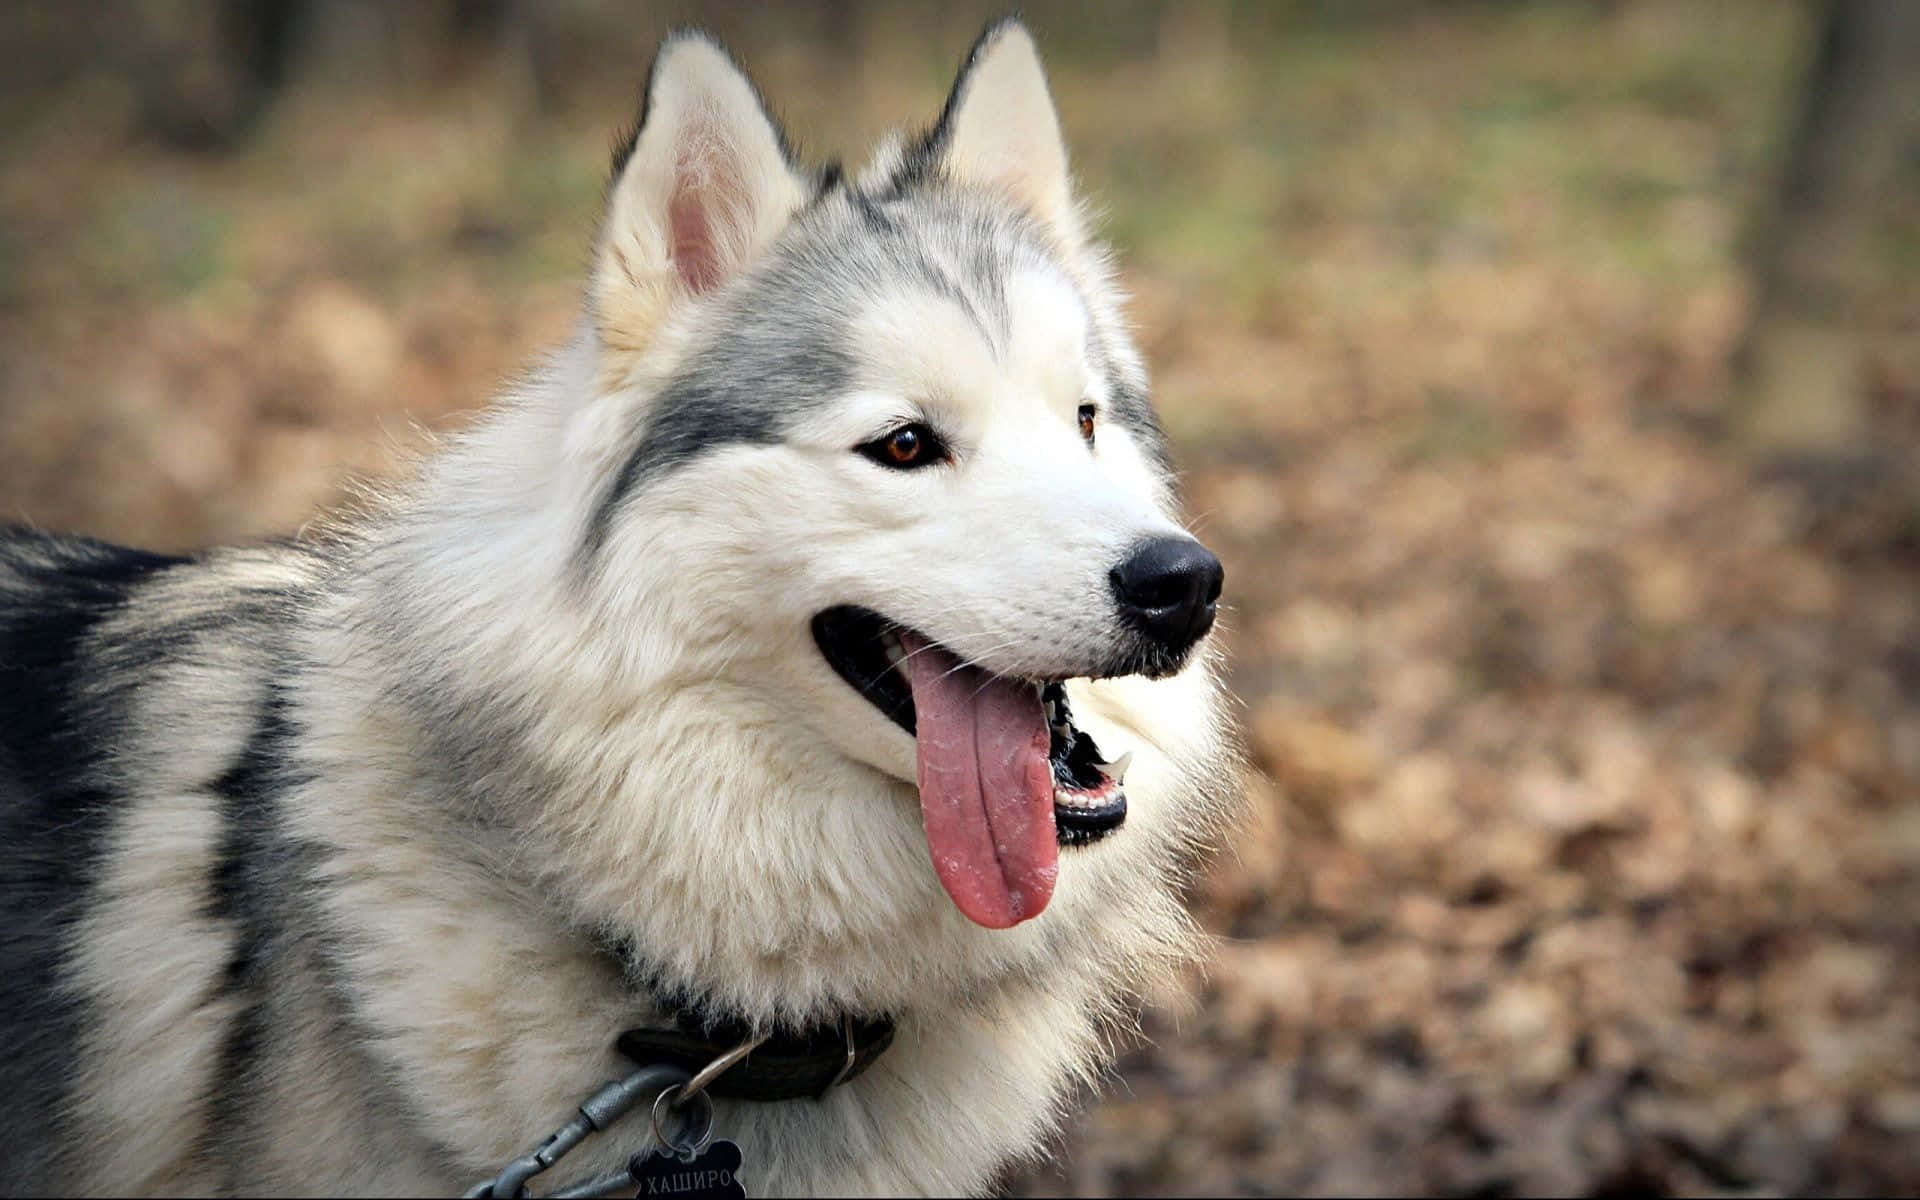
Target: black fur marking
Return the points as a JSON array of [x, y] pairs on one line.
[[255, 861], [876, 221], [1130, 406], [56, 811], [828, 180], [775, 365]]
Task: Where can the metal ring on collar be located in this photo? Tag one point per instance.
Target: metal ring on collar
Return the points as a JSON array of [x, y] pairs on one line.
[[699, 1117], [853, 1055], [715, 1069]]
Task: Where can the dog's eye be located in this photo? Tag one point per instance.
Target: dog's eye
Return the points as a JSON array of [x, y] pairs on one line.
[[906, 448], [1086, 423]]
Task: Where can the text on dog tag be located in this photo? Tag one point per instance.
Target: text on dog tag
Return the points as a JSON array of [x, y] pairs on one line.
[[714, 1172]]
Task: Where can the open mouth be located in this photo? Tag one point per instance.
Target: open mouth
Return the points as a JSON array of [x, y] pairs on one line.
[[1005, 777]]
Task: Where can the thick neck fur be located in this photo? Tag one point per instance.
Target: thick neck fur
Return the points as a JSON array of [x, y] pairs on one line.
[[589, 783]]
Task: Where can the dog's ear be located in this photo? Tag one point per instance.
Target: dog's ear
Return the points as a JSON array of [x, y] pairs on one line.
[[999, 128], [700, 190]]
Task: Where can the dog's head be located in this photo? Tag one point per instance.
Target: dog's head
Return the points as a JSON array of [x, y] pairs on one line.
[[869, 499]]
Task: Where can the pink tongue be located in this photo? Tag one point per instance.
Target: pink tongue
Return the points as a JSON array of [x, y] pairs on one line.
[[986, 788]]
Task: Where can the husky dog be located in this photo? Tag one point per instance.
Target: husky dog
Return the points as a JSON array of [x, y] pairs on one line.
[[808, 649]]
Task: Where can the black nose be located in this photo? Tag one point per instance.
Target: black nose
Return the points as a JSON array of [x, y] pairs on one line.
[[1167, 588]]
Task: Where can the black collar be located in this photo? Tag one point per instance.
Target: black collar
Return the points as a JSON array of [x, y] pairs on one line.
[[784, 1067], [789, 1065]]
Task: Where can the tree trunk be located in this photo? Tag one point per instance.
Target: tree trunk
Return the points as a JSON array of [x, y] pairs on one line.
[[1801, 370]]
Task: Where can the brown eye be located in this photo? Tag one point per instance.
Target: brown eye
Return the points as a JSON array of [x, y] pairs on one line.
[[906, 448], [1086, 423], [904, 445]]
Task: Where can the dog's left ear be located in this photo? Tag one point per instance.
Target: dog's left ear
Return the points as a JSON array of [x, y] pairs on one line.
[[700, 193], [999, 129]]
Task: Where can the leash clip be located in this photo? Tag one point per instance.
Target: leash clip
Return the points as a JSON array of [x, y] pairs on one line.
[[606, 1105], [673, 1088]]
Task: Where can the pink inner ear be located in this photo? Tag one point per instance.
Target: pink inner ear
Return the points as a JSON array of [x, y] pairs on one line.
[[705, 201]]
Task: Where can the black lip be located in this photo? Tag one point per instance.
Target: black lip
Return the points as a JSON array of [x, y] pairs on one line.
[[1079, 826], [849, 638], [1073, 754]]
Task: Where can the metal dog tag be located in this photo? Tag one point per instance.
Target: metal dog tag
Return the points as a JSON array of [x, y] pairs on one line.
[[714, 1172]]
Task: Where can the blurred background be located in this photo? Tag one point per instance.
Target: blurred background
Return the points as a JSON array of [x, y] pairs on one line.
[[1547, 374]]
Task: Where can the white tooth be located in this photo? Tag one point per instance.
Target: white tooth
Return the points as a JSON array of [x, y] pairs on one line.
[[1117, 769], [896, 653]]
